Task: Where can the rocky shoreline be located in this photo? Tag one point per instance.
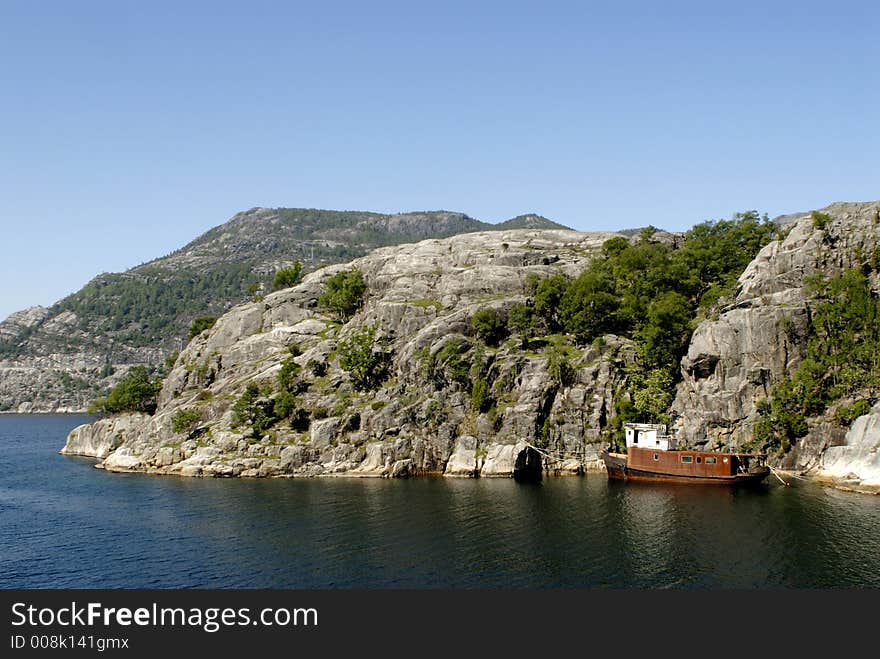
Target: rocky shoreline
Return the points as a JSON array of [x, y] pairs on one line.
[[422, 419], [201, 465]]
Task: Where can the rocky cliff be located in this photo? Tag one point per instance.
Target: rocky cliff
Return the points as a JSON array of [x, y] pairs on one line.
[[59, 359], [760, 336], [855, 463], [423, 417]]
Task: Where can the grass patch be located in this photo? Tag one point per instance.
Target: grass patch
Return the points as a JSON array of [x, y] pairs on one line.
[[330, 330], [425, 303]]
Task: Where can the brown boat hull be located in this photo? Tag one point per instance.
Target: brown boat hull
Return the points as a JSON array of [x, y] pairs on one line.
[[617, 468]]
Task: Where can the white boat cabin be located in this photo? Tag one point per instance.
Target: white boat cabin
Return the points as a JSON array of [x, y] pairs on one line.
[[648, 435]]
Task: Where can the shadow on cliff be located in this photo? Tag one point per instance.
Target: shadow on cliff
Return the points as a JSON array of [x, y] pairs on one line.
[[528, 467]]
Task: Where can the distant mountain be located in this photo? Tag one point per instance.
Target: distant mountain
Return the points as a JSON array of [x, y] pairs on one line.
[[530, 221], [59, 358]]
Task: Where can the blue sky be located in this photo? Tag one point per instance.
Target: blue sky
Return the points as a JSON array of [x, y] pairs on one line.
[[126, 129]]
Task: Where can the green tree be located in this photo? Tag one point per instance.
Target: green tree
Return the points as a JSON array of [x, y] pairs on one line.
[[171, 360], [548, 296], [254, 411], [489, 326], [344, 294], [200, 324], [481, 399], [614, 246], [653, 397], [846, 334], [665, 335], [715, 253], [363, 359], [559, 368], [647, 233], [287, 277], [820, 220], [589, 306], [451, 364], [521, 321], [136, 392], [288, 376], [531, 283], [846, 414], [186, 420], [285, 405]]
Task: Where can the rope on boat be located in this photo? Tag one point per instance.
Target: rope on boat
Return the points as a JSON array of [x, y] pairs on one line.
[[773, 471], [558, 457]]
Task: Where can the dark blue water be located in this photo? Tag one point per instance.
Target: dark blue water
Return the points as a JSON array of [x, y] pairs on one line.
[[64, 524]]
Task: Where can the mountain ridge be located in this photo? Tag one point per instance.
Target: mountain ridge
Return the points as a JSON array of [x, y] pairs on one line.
[[59, 357]]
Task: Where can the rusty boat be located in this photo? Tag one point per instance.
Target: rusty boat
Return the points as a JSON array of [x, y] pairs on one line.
[[652, 455]]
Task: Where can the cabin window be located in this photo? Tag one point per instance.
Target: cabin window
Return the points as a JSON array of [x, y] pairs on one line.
[[657, 443], [687, 458], [699, 459], [656, 456], [711, 461]]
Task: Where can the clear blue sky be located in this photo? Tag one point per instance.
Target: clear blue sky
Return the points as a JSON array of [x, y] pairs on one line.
[[128, 128]]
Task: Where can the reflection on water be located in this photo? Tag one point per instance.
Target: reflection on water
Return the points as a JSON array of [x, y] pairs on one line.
[[65, 524], [647, 520]]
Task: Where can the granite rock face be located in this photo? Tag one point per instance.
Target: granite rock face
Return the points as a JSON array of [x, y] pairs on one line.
[[50, 379], [421, 420], [61, 358], [20, 322], [101, 438], [856, 463], [734, 359]]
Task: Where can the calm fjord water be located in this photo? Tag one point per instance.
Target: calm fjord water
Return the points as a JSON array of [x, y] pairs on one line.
[[64, 524]]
